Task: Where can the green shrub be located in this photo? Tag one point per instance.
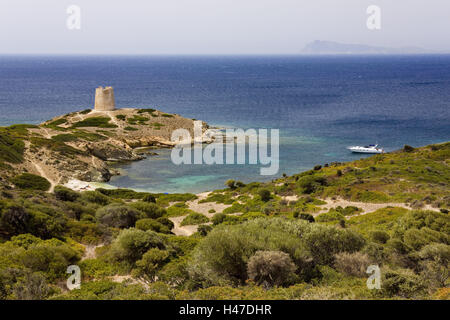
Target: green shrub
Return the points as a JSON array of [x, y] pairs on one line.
[[204, 229], [152, 261], [128, 128], [151, 224], [95, 197], [240, 184], [46, 222], [352, 264], [66, 137], [435, 263], [348, 211], [50, 257], [97, 269], [230, 184], [264, 194], [402, 282], [165, 221], [221, 257], [148, 110], [149, 209], [121, 117], [137, 120], [311, 183], [99, 122], [11, 148], [331, 215], [117, 215], [194, 218], [379, 236], [85, 232], [306, 216], [122, 193], [271, 268], [407, 148], [65, 194], [31, 182], [324, 242], [14, 220], [218, 218], [131, 244], [149, 198]]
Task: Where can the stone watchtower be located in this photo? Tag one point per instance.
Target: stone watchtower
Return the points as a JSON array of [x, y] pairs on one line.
[[104, 99]]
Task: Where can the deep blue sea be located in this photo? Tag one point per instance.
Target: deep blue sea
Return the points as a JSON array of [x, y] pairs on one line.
[[320, 104]]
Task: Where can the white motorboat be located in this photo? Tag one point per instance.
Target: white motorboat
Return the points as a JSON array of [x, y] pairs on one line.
[[371, 148]]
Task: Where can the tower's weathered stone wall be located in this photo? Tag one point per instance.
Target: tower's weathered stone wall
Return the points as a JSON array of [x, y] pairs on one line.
[[104, 99]]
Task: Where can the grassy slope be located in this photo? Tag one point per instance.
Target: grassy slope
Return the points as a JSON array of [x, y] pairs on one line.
[[418, 177]]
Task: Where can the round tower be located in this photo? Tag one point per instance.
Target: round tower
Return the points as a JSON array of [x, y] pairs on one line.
[[104, 99]]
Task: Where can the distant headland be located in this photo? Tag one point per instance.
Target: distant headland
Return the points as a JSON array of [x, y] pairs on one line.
[[331, 47], [78, 146]]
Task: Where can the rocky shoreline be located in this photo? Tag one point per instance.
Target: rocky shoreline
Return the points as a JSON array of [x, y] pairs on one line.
[[80, 146]]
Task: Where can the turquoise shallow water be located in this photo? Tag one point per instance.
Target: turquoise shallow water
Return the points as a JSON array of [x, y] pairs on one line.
[[320, 104]]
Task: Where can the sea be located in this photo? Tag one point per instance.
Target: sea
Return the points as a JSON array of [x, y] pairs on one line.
[[320, 104]]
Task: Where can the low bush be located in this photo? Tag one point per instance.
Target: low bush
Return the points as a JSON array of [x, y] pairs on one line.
[[152, 261], [149, 198], [204, 229], [218, 218], [401, 282], [99, 122], [194, 218], [117, 216], [95, 197], [329, 216], [31, 182], [379, 236], [222, 256], [148, 209], [352, 264], [131, 244], [151, 224], [306, 216], [264, 194], [165, 221], [65, 194], [271, 268]]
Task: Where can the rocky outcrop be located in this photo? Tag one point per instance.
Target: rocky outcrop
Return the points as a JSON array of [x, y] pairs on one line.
[[80, 145]]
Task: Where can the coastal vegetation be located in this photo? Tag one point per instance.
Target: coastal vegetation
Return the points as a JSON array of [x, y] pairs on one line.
[[311, 235]]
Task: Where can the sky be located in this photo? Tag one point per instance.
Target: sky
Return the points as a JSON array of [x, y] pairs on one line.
[[216, 26]]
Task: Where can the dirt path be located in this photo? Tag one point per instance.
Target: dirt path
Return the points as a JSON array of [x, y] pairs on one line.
[[47, 134], [366, 207], [204, 208], [44, 175], [182, 230], [113, 119]]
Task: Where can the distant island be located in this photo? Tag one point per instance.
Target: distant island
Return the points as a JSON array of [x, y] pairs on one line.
[[331, 47]]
